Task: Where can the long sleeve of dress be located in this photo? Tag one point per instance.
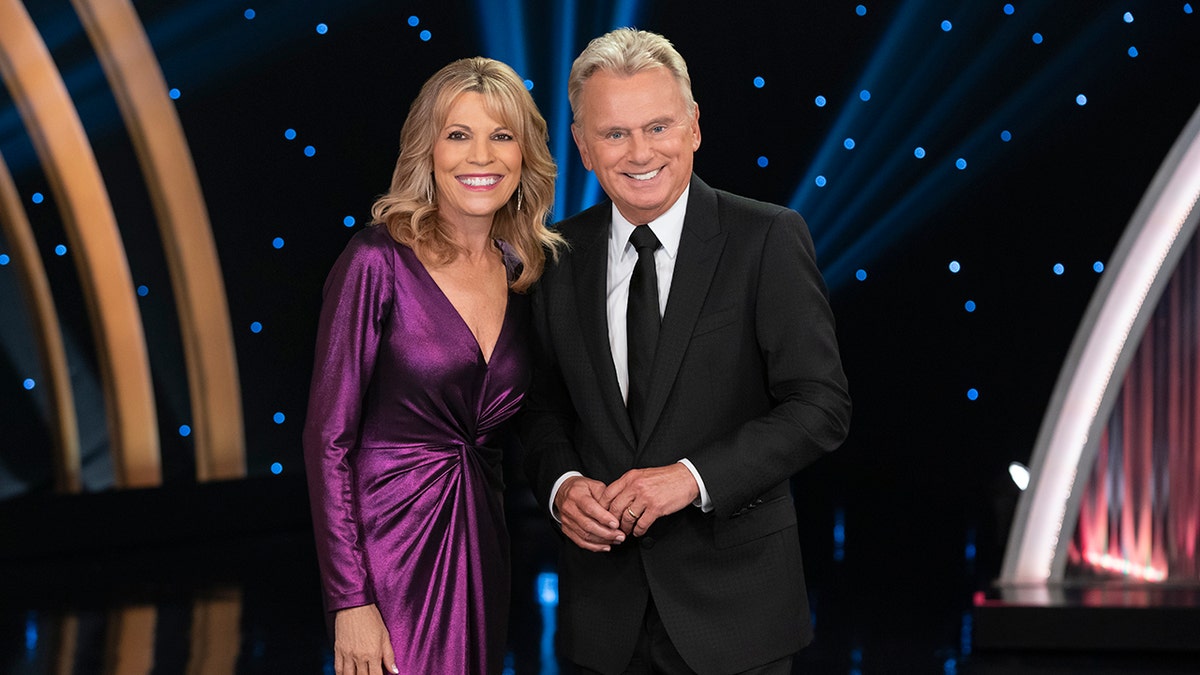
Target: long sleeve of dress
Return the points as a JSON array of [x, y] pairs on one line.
[[357, 302]]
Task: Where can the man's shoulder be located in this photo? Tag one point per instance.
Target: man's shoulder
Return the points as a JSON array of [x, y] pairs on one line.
[[586, 224], [735, 203]]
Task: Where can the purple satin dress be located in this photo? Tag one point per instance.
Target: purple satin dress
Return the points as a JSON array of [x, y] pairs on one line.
[[401, 450]]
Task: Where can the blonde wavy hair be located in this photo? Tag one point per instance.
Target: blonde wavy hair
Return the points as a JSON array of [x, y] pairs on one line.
[[409, 209]]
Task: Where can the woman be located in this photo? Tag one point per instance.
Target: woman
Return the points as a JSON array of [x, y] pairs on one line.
[[421, 358]]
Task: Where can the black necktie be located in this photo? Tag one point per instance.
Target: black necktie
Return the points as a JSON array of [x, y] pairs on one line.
[[642, 321]]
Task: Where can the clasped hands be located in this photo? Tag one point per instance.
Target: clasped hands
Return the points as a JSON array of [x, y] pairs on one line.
[[597, 516]]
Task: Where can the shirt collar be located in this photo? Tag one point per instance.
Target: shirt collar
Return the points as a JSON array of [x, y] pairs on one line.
[[668, 228]]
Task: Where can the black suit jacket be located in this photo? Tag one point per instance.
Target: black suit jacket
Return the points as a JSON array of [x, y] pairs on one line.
[[747, 384]]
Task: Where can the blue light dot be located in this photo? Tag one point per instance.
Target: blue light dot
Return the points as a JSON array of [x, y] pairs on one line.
[[425, 36], [174, 94], [759, 83], [29, 383], [185, 430], [973, 393], [1098, 266], [969, 306], [919, 152], [820, 101], [309, 151], [529, 85], [960, 163], [290, 134], [277, 242], [955, 266], [256, 327], [864, 95], [1006, 135], [1059, 269], [1081, 99], [970, 553], [762, 162], [143, 290], [848, 143], [38, 198], [276, 468], [279, 418], [322, 29], [413, 21], [861, 275], [1187, 8], [60, 250], [4, 259], [1128, 17], [249, 14], [348, 221], [1037, 38], [1133, 52], [946, 25], [820, 181], [861, 10], [1009, 9]]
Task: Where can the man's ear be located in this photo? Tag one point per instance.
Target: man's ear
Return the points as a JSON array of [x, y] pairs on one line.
[[696, 128], [583, 150]]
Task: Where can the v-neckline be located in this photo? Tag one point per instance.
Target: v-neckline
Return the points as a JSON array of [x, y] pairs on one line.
[[485, 358]]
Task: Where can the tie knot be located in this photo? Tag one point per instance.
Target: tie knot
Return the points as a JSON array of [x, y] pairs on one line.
[[643, 238]]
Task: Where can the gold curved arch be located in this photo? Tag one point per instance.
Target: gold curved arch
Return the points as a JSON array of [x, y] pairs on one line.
[[141, 92], [51, 353], [63, 148]]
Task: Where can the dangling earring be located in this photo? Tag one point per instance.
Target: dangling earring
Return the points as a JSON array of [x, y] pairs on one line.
[[429, 190], [519, 196]]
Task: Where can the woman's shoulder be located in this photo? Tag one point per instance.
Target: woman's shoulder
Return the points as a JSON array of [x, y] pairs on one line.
[[374, 242]]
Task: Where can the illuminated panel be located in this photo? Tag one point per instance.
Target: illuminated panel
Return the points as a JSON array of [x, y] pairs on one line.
[[216, 635], [51, 352], [57, 134], [191, 254], [1087, 388], [131, 639]]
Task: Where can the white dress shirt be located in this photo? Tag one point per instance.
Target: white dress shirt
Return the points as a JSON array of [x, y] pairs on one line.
[[622, 258]]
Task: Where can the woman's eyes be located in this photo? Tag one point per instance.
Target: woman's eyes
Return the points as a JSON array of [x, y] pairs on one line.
[[462, 136]]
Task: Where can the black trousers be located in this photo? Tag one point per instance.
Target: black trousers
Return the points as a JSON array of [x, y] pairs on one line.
[[655, 654]]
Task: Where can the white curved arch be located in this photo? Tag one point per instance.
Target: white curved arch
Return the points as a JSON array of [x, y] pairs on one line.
[[1104, 345]]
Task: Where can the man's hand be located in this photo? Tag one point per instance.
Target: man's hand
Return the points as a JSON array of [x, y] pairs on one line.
[[584, 520], [361, 644], [642, 496]]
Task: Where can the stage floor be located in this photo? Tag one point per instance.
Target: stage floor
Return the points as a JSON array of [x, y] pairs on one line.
[[225, 588]]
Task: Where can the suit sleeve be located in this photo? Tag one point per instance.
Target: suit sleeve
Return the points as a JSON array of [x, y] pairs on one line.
[[357, 299], [810, 411], [547, 420]]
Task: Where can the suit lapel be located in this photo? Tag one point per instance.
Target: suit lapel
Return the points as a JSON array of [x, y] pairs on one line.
[[591, 282], [699, 252]]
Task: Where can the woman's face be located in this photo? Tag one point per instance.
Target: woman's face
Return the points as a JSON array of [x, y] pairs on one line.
[[476, 164]]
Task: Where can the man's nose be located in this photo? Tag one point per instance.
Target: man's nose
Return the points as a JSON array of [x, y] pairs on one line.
[[640, 150]]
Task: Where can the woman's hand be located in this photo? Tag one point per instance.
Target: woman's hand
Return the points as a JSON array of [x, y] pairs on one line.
[[361, 643]]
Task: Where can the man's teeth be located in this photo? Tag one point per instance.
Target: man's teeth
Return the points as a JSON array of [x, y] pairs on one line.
[[643, 176], [474, 181]]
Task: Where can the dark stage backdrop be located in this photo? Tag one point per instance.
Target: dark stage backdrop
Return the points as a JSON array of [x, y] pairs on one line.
[[947, 155]]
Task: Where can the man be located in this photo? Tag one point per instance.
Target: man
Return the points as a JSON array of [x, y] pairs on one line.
[[666, 455]]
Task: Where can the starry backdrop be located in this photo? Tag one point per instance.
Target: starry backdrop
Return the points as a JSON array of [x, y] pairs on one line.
[[966, 169]]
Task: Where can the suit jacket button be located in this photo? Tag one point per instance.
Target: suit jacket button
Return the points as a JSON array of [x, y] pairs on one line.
[[647, 542]]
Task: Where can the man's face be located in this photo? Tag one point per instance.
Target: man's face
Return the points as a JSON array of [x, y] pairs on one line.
[[635, 133]]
